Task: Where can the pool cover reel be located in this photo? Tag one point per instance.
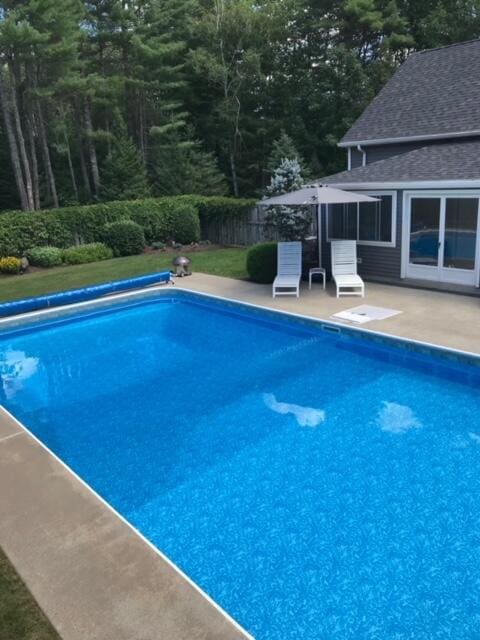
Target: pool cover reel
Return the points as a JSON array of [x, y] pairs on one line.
[[80, 295]]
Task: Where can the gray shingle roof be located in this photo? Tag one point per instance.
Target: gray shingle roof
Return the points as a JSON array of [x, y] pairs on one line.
[[446, 161], [433, 92]]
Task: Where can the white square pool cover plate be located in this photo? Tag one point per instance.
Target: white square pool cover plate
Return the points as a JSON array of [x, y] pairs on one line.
[[365, 313]]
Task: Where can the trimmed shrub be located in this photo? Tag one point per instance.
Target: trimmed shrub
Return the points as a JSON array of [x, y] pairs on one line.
[[165, 219], [170, 219], [125, 237], [10, 265], [84, 253], [44, 256], [218, 207], [262, 262]]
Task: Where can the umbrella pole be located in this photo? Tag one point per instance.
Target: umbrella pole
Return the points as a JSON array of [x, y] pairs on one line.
[[319, 233]]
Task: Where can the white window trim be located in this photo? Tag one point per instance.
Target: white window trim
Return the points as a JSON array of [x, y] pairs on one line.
[[374, 243]]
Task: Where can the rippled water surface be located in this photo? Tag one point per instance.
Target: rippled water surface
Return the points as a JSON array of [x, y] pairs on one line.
[[315, 486]]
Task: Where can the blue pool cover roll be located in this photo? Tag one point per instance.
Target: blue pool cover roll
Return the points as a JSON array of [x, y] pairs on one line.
[[80, 295]]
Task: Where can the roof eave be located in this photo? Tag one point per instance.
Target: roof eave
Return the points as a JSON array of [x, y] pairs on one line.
[[426, 138], [408, 184]]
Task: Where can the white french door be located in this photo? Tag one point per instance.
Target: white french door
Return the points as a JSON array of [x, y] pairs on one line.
[[442, 237]]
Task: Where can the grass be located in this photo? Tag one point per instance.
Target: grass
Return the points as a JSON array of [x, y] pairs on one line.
[[219, 262], [20, 616]]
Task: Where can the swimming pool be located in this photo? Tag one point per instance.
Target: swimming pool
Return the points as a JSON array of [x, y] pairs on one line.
[[315, 484]]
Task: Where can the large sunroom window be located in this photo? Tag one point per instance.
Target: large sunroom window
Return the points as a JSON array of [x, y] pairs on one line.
[[366, 222]]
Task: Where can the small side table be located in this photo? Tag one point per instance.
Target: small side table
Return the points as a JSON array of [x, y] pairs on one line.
[[316, 271]]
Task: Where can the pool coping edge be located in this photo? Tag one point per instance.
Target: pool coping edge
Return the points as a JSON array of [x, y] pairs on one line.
[[25, 431], [155, 290]]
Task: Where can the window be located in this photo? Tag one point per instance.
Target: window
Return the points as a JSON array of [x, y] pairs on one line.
[[366, 222], [343, 221]]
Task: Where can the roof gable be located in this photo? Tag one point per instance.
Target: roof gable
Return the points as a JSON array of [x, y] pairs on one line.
[[434, 93]]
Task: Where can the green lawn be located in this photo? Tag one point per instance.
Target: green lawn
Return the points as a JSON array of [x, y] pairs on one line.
[[20, 616], [219, 262]]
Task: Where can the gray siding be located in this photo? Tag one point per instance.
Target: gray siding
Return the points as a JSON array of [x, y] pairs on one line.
[[379, 262], [356, 158], [385, 151]]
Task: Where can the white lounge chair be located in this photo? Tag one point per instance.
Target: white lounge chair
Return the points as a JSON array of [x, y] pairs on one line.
[[344, 269], [289, 269]]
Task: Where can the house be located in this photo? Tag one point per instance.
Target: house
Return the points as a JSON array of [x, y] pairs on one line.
[[417, 147]]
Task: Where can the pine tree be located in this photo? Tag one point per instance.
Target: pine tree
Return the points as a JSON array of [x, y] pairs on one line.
[[124, 176], [38, 49], [283, 148], [184, 167], [287, 177], [227, 72], [291, 224]]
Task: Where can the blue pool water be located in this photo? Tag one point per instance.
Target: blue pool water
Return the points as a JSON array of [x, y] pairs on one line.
[[313, 485]]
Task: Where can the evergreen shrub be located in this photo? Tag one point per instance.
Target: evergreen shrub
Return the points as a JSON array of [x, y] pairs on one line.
[[84, 253], [125, 237], [173, 218], [262, 262], [44, 256]]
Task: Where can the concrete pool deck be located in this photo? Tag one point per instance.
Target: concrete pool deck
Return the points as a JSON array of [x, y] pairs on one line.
[[93, 576], [445, 319]]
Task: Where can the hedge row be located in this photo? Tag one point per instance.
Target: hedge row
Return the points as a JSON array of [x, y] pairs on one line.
[[218, 207], [174, 218]]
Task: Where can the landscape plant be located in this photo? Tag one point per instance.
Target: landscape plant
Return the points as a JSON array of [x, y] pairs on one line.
[[10, 265], [262, 262], [124, 175], [291, 223], [85, 253], [125, 238], [167, 219], [44, 256]]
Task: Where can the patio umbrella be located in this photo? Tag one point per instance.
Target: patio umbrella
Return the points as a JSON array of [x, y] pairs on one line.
[[316, 194]]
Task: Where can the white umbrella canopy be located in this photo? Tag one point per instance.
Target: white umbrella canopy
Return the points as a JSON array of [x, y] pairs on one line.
[[316, 195]]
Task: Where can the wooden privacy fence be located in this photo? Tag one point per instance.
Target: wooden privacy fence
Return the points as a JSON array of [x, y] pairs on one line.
[[246, 229]]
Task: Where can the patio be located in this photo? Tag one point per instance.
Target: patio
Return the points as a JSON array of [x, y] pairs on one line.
[[446, 319]]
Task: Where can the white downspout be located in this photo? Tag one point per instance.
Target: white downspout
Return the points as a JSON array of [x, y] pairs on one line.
[[364, 157], [349, 158]]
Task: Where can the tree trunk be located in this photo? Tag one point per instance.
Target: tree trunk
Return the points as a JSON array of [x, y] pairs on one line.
[[21, 143], [12, 143], [46, 156], [83, 169], [141, 127], [70, 165], [32, 135], [91, 147], [233, 169], [33, 160], [230, 95]]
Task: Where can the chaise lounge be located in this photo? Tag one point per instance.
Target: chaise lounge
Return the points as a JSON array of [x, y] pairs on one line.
[[289, 269], [344, 269]]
